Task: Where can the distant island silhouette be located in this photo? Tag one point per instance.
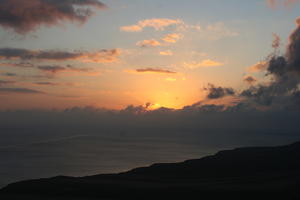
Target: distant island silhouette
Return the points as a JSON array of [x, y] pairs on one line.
[[242, 173]]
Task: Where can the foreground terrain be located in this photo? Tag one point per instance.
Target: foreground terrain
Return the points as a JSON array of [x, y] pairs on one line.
[[243, 173]]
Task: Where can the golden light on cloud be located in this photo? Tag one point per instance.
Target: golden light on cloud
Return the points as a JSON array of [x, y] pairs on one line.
[[156, 23], [166, 53], [260, 66], [133, 28], [166, 100], [204, 63], [148, 43], [171, 79], [172, 38]]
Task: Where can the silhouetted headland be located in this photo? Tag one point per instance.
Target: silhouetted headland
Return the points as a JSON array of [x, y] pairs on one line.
[[243, 173]]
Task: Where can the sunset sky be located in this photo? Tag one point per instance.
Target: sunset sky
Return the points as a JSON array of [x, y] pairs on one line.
[[115, 53]]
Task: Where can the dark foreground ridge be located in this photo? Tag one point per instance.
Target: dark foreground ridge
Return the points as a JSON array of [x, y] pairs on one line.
[[243, 173]]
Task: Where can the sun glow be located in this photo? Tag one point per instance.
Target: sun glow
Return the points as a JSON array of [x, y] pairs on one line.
[[166, 100]]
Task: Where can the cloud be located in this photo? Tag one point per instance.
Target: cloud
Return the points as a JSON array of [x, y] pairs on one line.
[[155, 70], [171, 79], [157, 23], [169, 38], [46, 83], [218, 92], [25, 16], [19, 91], [272, 3], [20, 64], [9, 74], [166, 53], [204, 63], [3, 82], [172, 38], [100, 56], [283, 90], [249, 79], [276, 3], [276, 41], [133, 28], [260, 66], [149, 43], [52, 69], [212, 31], [218, 31]]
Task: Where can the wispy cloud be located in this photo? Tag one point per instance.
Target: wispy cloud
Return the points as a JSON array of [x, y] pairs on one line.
[[9, 74], [148, 43], [211, 31], [260, 66], [52, 69], [19, 91], [151, 70], [171, 79], [172, 38], [4, 82], [46, 83], [100, 56], [166, 53], [277, 3], [25, 16], [156, 23], [19, 64], [59, 68], [204, 63]]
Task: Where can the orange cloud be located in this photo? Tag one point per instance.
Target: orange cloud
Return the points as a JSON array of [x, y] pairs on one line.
[[172, 38], [156, 23], [104, 56], [148, 43], [166, 53], [204, 63], [260, 66], [171, 79], [275, 3]]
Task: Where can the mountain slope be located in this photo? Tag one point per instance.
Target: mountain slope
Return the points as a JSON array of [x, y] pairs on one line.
[[247, 173]]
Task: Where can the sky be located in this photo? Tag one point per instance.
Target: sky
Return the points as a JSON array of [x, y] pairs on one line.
[[102, 86], [113, 53]]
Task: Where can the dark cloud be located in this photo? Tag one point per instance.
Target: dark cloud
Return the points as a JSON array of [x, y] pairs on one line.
[[293, 50], [19, 91], [250, 79], [57, 68], [3, 82], [26, 54], [46, 83], [155, 70], [285, 72], [9, 74], [218, 92], [52, 69], [25, 16], [20, 64], [100, 56]]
